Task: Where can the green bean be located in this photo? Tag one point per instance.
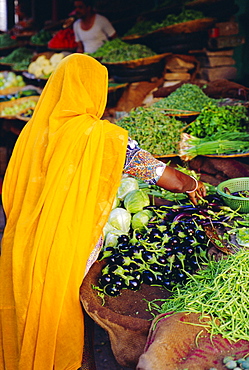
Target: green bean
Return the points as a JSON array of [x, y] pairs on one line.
[[211, 294]]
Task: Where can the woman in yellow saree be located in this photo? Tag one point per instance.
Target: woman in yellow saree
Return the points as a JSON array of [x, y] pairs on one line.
[[58, 191]]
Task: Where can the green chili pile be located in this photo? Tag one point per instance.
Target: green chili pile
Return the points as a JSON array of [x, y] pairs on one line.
[[220, 290]]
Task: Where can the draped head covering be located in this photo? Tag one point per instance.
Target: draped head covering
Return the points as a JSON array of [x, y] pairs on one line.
[[57, 194]]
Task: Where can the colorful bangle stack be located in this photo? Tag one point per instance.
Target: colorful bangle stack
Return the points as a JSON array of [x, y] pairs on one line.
[[196, 186]]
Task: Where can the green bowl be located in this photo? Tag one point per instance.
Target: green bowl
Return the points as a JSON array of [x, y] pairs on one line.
[[234, 185]]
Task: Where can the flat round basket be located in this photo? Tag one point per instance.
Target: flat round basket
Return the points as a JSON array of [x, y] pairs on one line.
[[25, 115], [11, 90], [12, 103], [142, 69], [139, 62], [184, 27]]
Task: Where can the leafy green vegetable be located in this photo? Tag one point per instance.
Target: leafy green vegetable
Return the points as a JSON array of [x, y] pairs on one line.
[[213, 119], [18, 55], [6, 40], [41, 38]]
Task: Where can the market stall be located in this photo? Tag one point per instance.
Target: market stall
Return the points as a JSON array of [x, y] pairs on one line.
[[190, 120]]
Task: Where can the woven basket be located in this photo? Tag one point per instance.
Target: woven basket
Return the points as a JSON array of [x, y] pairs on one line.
[[9, 90], [184, 27], [234, 185], [139, 62], [21, 116], [11, 103]]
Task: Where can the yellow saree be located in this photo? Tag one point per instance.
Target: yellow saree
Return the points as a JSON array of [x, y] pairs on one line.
[[57, 194]]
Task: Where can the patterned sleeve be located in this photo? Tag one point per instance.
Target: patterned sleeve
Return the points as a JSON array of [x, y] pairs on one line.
[[141, 164]]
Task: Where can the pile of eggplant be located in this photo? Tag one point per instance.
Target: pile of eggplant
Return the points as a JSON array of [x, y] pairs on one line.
[[163, 250]]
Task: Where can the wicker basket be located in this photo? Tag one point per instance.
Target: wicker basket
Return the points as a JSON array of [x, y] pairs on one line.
[[195, 25], [9, 90], [234, 185], [11, 103], [21, 116], [139, 62]]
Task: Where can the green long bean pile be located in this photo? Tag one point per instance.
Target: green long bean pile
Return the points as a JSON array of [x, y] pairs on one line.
[[153, 130], [220, 291]]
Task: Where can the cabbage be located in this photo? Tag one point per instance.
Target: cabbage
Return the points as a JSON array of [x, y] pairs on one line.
[[111, 239], [116, 202], [107, 228], [140, 219], [127, 184], [120, 218], [136, 200]]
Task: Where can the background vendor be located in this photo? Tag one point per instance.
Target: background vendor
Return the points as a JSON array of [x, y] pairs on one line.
[[91, 29], [25, 21]]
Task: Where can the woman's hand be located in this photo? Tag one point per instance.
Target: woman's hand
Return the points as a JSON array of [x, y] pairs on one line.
[[197, 194], [178, 182]]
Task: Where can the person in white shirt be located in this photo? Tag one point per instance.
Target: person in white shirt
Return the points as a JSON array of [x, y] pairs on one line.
[[91, 29]]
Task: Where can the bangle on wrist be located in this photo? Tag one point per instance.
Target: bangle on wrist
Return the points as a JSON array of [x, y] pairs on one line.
[[196, 186]]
